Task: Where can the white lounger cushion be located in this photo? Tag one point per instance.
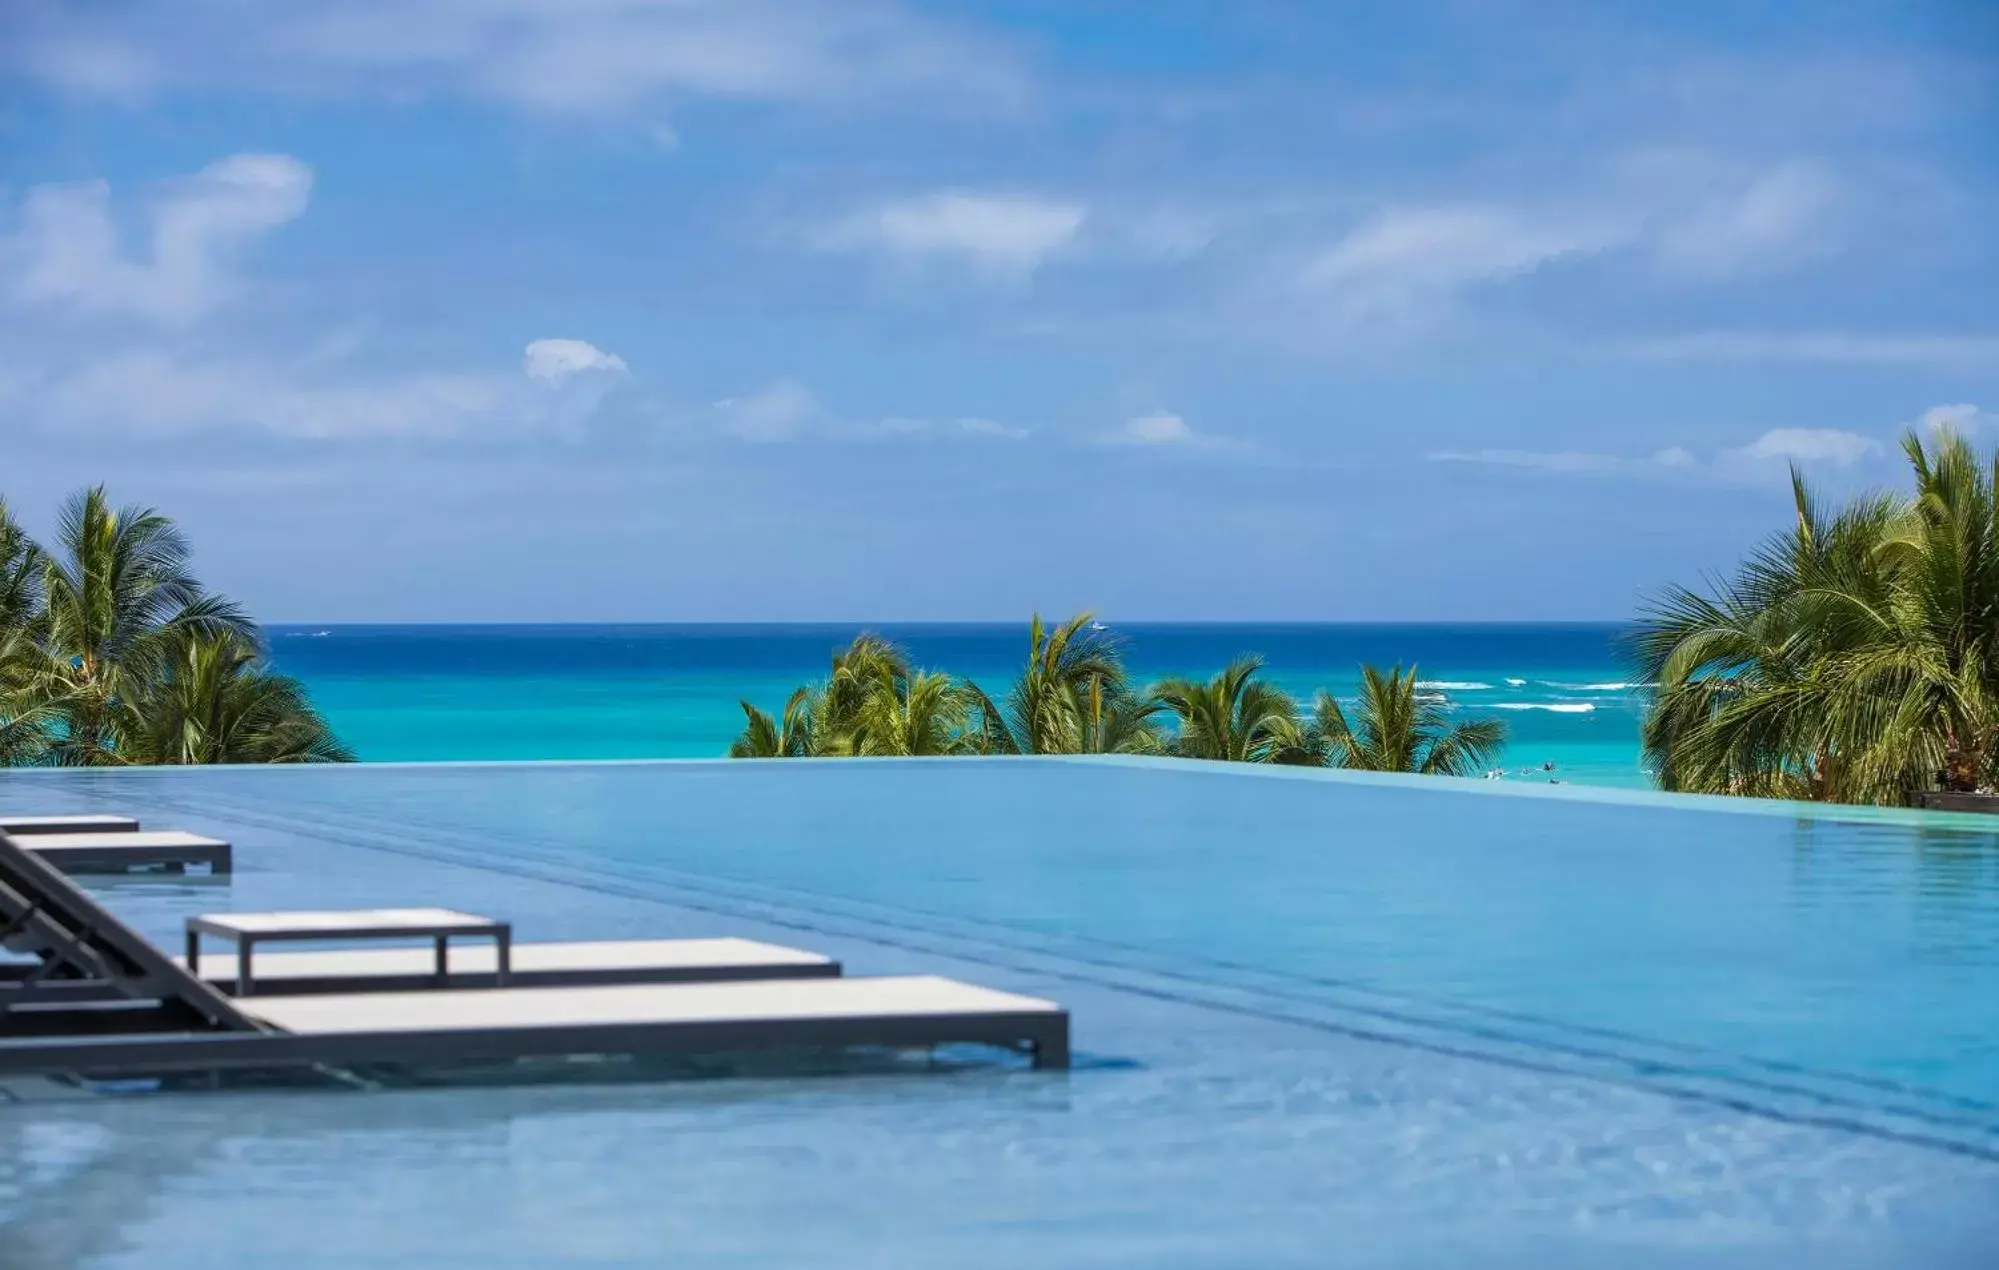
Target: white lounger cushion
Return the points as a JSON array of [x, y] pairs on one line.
[[52, 844], [771, 999]]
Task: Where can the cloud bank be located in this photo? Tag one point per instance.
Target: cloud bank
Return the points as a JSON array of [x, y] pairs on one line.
[[66, 254]]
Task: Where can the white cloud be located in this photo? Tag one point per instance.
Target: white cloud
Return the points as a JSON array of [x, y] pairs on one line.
[[788, 411], [151, 391], [1921, 349], [1408, 264], [557, 56], [1962, 418], [175, 391], [1768, 454], [1155, 429], [558, 360], [1696, 218], [92, 67], [999, 234], [66, 254], [1809, 445], [1164, 430], [777, 413], [1769, 222], [1439, 248]]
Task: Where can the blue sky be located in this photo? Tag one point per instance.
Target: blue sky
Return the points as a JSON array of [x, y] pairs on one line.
[[749, 309]]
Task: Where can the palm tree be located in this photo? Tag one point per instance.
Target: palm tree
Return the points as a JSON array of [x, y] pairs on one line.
[[20, 573], [791, 735], [112, 653], [1073, 697], [119, 599], [1918, 702], [1853, 658], [24, 718], [1395, 728], [219, 703], [924, 713], [821, 720], [1234, 718], [1123, 721], [1746, 700], [867, 667]]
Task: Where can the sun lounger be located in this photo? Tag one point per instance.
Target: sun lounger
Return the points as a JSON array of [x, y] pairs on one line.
[[72, 938], [593, 963], [120, 852], [166, 1020], [416, 1028], [19, 825]]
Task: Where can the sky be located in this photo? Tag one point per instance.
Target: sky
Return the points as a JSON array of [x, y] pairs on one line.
[[749, 310]]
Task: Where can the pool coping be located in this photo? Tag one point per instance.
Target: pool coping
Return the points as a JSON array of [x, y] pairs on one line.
[[1558, 792]]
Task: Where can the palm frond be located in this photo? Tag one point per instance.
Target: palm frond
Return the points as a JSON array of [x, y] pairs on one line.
[[1851, 659], [1395, 727]]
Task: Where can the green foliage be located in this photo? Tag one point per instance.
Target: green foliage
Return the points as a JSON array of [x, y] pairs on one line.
[[219, 703], [921, 713], [869, 667], [1395, 728], [24, 716], [1074, 696], [1235, 718], [791, 736], [825, 720], [1850, 659], [112, 653]]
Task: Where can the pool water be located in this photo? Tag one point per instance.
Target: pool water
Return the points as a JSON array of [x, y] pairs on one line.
[[1320, 1019]]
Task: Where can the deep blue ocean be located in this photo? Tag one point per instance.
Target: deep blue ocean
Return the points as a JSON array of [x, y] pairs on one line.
[[399, 693]]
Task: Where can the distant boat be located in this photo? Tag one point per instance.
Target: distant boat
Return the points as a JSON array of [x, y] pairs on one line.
[[1098, 626]]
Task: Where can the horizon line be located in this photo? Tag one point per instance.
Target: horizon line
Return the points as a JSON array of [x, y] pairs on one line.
[[717, 623]]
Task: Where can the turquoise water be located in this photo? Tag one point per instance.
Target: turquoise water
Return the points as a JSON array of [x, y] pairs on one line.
[[596, 692], [1320, 1019]]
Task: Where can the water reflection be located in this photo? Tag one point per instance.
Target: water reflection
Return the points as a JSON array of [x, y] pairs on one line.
[[80, 1173]]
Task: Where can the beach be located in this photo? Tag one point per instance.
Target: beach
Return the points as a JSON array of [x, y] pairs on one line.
[[434, 693]]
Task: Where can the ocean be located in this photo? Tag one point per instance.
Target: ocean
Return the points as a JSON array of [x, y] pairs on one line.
[[415, 693]]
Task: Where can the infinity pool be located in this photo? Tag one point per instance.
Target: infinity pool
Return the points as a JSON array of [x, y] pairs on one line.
[[1320, 1019]]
